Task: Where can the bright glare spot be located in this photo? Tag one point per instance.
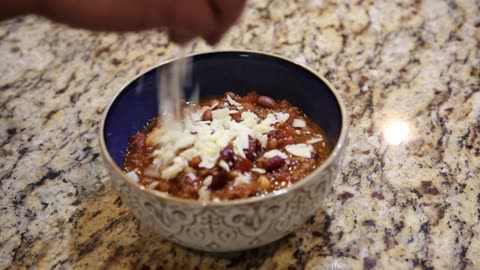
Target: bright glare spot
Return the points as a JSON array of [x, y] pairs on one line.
[[396, 132]]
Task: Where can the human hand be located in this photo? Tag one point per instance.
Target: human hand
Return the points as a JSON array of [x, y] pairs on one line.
[[184, 19]]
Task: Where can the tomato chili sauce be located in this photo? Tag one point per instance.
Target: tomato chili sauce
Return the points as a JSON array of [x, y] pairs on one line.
[[227, 148]]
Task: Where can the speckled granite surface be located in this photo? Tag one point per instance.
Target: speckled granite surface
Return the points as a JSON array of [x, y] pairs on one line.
[[409, 194]]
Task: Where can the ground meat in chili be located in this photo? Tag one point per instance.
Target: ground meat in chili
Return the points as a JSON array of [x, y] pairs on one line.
[[227, 148]]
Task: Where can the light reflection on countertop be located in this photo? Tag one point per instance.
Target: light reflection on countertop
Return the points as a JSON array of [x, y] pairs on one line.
[[396, 132]]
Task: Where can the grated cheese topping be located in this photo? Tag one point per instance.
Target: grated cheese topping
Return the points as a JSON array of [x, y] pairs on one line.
[[242, 178], [274, 153], [193, 137], [258, 170], [204, 192], [300, 150], [315, 140], [133, 176], [299, 123]]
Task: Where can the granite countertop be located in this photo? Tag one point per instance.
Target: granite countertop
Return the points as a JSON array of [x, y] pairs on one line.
[[409, 193]]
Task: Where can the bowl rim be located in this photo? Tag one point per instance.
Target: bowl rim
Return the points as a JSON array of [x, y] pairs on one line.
[[190, 202]]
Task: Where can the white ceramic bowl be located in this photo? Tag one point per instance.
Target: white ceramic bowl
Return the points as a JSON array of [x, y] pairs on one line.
[[238, 224]]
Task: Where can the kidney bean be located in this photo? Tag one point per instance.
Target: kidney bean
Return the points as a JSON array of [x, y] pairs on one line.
[[289, 131], [219, 180], [266, 102], [227, 154], [274, 163], [243, 165], [272, 143], [194, 162], [253, 148], [207, 115]]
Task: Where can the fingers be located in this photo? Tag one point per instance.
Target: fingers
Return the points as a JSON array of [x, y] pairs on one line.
[[185, 19], [179, 37], [109, 15], [226, 13], [190, 19], [208, 19]]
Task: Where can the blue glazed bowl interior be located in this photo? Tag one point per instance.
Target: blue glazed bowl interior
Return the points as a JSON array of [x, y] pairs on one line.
[[216, 73]]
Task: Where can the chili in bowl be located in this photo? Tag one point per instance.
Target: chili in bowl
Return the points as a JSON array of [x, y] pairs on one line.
[[242, 168], [229, 148]]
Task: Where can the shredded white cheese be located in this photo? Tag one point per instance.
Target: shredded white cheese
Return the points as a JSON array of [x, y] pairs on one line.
[[173, 170], [207, 181], [299, 123], [233, 102], [315, 140], [133, 176], [238, 148], [189, 153], [204, 193], [191, 176], [258, 170], [263, 139], [224, 165], [153, 185], [220, 114], [275, 153], [300, 150], [282, 117], [242, 179]]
